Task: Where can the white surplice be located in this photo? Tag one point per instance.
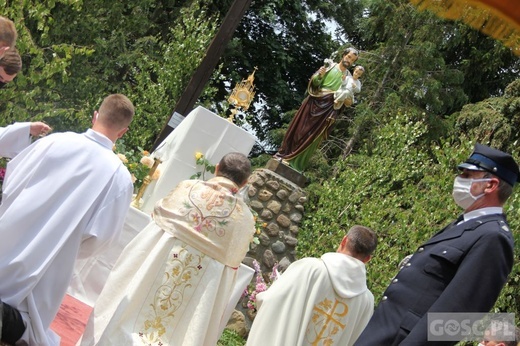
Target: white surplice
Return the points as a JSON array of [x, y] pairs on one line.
[[64, 196], [314, 302], [171, 284], [14, 138]]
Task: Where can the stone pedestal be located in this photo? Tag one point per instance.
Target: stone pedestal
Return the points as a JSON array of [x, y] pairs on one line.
[[279, 203], [287, 172]]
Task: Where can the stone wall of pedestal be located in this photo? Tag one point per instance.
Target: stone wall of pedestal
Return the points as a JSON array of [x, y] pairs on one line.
[[279, 204]]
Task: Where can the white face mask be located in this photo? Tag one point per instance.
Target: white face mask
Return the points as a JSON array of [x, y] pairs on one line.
[[462, 191]]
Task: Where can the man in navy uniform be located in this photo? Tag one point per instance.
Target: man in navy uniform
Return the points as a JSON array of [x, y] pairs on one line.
[[460, 269]]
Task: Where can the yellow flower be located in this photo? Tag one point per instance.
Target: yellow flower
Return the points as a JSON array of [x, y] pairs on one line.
[[198, 155], [147, 161], [123, 158], [264, 224], [146, 153], [258, 231]]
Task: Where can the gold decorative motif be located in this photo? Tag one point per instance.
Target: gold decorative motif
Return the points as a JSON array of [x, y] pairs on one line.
[[327, 321], [180, 268], [242, 95], [208, 208]]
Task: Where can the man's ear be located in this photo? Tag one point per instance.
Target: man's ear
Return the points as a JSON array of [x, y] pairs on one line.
[[122, 132], [343, 244], [493, 185], [94, 117]]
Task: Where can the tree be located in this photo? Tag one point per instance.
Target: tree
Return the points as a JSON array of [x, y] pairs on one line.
[[75, 53], [400, 185]]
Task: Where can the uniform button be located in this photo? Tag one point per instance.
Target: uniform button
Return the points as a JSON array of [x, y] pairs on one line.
[[408, 264], [421, 249], [444, 251], [395, 280], [384, 298]]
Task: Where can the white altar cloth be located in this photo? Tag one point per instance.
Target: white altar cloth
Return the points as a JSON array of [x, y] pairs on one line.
[[201, 131]]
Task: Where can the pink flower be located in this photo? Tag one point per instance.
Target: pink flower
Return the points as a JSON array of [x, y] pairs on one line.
[[261, 287]]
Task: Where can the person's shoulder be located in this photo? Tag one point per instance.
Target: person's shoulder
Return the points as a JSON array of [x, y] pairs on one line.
[[308, 264], [491, 230], [496, 222]]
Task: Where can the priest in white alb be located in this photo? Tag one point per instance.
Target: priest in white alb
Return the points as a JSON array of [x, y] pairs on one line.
[[172, 282], [321, 301], [65, 196]]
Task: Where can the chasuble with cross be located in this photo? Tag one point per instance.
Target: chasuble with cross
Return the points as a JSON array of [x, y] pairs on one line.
[[314, 302], [172, 283]]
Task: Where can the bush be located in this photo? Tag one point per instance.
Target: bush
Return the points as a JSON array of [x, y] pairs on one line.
[[230, 338]]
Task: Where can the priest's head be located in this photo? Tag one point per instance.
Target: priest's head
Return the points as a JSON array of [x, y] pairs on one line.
[[360, 242], [234, 166], [113, 117]]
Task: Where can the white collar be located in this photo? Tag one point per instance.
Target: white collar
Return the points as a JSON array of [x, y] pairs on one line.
[[99, 138], [483, 211]]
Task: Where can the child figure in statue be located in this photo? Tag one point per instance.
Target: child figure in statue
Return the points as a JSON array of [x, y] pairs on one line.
[[351, 85]]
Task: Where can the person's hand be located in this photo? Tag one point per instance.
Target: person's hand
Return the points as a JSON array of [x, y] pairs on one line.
[[322, 71], [39, 129]]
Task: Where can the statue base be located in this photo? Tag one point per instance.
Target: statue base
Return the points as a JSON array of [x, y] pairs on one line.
[[286, 171]]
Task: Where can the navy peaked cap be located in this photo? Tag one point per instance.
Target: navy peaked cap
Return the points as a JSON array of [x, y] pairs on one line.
[[494, 161]]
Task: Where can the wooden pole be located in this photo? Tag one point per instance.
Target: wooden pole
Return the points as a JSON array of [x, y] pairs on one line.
[[205, 69]]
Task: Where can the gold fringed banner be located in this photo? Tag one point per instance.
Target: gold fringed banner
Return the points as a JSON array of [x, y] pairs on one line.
[[499, 19]]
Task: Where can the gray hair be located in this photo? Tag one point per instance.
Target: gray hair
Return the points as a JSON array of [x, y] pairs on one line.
[[362, 241], [236, 167]]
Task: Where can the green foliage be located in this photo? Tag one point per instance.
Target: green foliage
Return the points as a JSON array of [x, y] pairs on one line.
[[161, 78], [260, 161], [133, 160], [230, 338], [399, 183], [200, 160], [74, 55]]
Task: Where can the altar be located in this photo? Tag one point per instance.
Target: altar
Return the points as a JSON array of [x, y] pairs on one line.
[[201, 131]]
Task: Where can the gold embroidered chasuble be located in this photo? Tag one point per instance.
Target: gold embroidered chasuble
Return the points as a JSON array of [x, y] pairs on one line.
[[172, 282]]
